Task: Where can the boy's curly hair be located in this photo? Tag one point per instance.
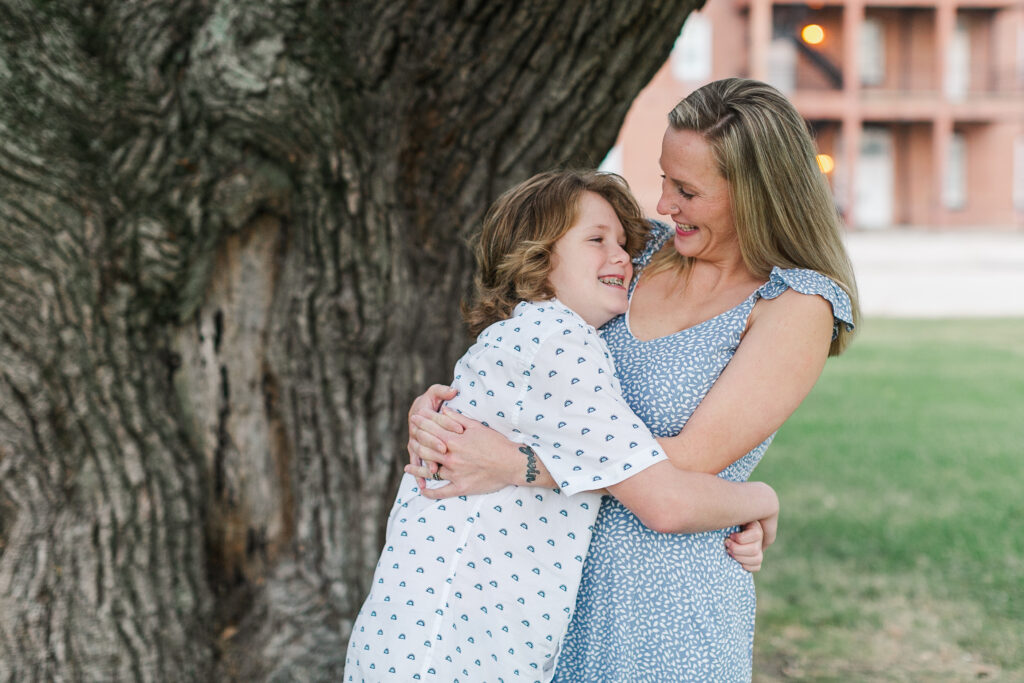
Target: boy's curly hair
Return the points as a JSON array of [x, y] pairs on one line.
[[513, 250]]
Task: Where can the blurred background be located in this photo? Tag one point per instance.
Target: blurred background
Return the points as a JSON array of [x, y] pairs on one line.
[[917, 105]]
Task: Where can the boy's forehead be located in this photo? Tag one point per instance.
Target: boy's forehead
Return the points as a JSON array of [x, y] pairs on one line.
[[604, 226]]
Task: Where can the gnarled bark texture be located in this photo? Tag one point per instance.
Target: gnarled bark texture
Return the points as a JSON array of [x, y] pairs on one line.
[[231, 247]]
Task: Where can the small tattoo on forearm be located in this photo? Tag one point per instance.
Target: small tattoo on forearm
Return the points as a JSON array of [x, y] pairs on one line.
[[531, 463]]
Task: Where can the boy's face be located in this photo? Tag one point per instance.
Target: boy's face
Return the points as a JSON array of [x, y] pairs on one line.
[[590, 270]]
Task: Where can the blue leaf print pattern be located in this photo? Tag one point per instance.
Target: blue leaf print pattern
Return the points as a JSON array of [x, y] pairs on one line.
[[672, 607]]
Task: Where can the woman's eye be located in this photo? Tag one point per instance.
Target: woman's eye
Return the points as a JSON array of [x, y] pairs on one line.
[[681, 191]]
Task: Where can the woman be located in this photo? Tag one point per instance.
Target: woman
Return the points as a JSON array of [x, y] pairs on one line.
[[481, 587], [730, 320]]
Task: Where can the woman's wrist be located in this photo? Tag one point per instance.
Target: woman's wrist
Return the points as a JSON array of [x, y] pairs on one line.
[[517, 459], [531, 471], [527, 469]]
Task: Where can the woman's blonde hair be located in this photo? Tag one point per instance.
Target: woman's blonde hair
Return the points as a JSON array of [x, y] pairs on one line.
[[782, 208], [513, 249]]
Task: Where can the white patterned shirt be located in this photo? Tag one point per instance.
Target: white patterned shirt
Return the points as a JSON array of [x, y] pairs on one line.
[[482, 588]]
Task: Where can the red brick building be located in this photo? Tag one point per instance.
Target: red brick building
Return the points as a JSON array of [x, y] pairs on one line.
[[918, 105]]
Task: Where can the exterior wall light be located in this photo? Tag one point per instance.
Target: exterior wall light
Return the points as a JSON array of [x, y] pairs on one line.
[[812, 34]]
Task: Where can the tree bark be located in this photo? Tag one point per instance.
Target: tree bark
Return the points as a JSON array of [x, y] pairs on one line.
[[231, 250]]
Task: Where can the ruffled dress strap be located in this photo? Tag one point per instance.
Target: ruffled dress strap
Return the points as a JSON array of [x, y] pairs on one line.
[[660, 233], [811, 282]]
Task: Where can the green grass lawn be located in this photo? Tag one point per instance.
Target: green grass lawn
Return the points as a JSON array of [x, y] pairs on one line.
[[901, 543]]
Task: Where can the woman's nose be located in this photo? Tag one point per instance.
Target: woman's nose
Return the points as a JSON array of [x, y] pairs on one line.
[[665, 207]]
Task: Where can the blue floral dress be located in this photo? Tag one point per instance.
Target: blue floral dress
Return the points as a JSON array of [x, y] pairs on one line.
[[672, 607]]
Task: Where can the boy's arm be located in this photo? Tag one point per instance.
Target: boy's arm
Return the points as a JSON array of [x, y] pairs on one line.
[[670, 500]]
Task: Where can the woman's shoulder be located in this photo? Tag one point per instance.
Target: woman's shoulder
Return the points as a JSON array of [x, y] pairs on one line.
[[810, 283], [659, 234]]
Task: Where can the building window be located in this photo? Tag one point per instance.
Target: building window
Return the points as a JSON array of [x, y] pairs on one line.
[[691, 56], [954, 190], [958, 68], [782, 65], [873, 182], [872, 52]]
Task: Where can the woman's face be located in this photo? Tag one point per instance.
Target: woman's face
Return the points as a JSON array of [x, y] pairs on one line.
[[696, 197], [590, 269]]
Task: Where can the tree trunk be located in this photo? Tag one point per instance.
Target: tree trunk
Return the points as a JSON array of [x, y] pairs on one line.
[[231, 247]]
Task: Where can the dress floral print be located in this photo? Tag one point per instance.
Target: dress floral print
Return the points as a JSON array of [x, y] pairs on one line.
[[673, 607]]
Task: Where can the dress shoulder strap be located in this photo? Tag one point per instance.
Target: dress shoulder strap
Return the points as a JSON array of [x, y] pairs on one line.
[[660, 233], [811, 282]]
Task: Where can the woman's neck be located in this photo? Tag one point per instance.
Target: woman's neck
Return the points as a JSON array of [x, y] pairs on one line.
[[675, 299]]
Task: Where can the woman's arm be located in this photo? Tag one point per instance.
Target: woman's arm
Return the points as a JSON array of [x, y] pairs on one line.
[[671, 500], [775, 366]]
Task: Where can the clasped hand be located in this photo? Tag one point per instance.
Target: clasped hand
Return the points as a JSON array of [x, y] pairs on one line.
[[461, 451]]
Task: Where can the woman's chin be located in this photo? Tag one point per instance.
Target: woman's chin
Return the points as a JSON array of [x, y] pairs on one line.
[[687, 243]]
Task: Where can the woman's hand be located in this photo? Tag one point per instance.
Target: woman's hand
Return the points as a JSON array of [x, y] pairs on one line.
[[747, 545], [428, 402], [473, 458]]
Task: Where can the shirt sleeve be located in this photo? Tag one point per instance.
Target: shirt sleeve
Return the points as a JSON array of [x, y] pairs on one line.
[[576, 419]]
